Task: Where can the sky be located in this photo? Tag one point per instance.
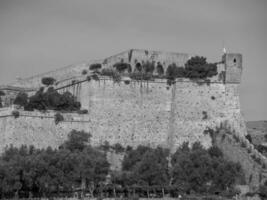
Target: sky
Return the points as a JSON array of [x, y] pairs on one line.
[[41, 35]]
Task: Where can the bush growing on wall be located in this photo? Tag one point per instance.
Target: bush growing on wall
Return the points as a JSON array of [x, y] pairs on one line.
[[48, 81], [148, 67], [58, 118], [111, 73], [160, 70], [15, 113], [122, 67], [95, 66], [198, 68], [175, 72], [84, 72], [52, 100], [2, 93], [21, 99]]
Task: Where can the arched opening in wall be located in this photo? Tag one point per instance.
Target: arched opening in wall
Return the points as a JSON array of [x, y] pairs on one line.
[[138, 67], [160, 69]]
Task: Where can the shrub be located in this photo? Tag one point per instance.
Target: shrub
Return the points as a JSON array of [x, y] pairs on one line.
[[213, 97], [160, 70], [111, 73], [127, 82], [138, 67], [84, 72], [95, 77], [174, 72], [58, 118], [21, 99], [198, 68], [95, 66], [118, 148], [84, 111], [53, 100], [121, 67], [2, 93], [88, 78], [148, 67], [48, 81], [15, 113]]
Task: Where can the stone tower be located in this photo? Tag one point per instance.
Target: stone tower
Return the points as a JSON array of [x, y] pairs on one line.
[[233, 67]]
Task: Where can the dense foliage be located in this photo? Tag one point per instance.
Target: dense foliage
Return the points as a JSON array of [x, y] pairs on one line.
[[21, 99], [121, 67], [188, 169], [49, 99], [44, 172], [95, 66], [48, 81], [197, 67]]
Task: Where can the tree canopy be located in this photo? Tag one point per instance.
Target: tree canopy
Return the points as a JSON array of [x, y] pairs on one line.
[[48, 81], [48, 100], [46, 171]]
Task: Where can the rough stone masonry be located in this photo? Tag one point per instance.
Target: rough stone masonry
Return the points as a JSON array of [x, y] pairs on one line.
[[141, 112]]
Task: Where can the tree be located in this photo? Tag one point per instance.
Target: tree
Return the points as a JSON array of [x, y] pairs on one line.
[[48, 81], [77, 140], [2, 93], [21, 99], [197, 67], [45, 172], [174, 72], [95, 66], [160, 69], [53, 100], [121, 67], [203, 170], [144, 166], [152, 169]]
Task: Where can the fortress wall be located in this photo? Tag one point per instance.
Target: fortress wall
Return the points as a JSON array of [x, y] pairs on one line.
[[142, 112], [132, 114], [38, 129]]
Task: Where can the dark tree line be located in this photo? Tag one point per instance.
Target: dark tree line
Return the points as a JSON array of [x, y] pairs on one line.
[[188, 170], [77, 166], [27, 171]]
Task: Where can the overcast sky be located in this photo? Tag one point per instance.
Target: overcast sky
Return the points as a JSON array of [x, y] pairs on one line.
[[41, 35]]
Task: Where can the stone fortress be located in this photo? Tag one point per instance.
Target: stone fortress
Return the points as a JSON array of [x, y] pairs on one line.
[[148, 112], [142, 112]]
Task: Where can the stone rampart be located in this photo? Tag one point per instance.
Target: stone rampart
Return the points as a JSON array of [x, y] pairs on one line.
[[141, 112]]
